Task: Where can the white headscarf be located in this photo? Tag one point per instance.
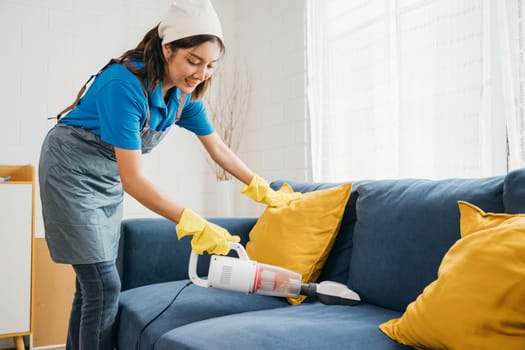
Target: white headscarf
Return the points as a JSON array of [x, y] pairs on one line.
[[187, 18]]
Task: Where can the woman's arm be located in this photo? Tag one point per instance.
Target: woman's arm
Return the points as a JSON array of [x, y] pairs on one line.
[[206, 236], [225, 158], [139, 187]]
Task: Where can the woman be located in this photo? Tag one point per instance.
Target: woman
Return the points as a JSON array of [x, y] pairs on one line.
[[94, 153]]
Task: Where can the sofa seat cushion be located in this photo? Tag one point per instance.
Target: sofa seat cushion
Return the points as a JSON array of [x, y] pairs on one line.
[[306, 326], [140, 305]]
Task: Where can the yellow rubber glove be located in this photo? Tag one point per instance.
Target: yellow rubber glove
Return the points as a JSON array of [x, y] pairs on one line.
[[260, 191], [206, 235]]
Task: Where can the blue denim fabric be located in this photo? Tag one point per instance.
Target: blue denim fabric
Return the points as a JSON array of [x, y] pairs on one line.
[[95, 305]]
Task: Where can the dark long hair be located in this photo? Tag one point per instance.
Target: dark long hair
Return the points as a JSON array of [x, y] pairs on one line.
[[149, 51]]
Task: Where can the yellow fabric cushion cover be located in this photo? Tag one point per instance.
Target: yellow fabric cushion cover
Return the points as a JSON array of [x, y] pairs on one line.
[[478, 300], [299, 237]]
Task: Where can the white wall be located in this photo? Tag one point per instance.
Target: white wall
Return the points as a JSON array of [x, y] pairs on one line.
[[270, 36], [50, 49]]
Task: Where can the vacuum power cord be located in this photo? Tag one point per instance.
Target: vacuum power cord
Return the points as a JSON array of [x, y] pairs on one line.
[[160, 314]]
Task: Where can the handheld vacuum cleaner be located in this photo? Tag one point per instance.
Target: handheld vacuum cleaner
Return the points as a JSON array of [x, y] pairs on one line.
[[248, 276]]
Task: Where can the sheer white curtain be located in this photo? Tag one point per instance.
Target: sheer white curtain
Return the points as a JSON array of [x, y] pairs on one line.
[[414, 88], [510, 19]]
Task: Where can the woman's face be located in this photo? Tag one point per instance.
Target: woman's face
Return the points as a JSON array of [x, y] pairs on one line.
[[187, 68]]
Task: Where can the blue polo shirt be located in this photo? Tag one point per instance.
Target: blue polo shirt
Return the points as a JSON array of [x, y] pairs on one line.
[[115, 108]]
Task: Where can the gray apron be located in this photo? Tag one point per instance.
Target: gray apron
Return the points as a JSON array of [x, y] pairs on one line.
[[82, 194]]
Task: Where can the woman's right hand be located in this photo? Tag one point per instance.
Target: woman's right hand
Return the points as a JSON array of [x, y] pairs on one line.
[[207, 236]]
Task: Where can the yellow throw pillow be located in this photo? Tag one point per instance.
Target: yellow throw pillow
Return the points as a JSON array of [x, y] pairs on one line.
[[299, 237], [478, 300]]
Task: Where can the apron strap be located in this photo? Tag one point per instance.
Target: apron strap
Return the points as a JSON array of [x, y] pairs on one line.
[[75, 103], [82, 90], [135, 72]]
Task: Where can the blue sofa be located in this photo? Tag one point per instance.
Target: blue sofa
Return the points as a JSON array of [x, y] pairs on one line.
[[392, 238]]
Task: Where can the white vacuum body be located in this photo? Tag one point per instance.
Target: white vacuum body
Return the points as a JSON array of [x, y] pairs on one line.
[[246, 276]]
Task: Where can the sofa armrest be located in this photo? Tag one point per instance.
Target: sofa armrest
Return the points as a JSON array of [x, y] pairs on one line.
[[149, 251]]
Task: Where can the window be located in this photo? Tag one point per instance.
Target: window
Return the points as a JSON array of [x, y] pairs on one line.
[[415, 88]]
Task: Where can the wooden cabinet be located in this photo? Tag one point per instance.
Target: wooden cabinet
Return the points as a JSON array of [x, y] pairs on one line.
[[16, 251], [53, 289]]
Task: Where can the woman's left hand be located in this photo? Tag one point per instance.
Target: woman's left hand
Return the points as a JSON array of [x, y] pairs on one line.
[[260, 191]]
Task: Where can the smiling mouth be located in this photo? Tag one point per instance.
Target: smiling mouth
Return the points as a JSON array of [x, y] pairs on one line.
[[192, 83]]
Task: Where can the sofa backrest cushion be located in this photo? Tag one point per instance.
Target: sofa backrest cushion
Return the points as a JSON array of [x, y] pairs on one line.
[[514, 192], [477, 300], [150, 252], [403, 230]]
